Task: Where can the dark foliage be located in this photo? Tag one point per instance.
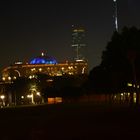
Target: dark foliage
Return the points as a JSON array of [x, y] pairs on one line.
[[120, 62]]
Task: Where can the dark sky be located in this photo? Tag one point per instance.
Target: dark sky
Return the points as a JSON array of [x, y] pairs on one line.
[[29, 27]]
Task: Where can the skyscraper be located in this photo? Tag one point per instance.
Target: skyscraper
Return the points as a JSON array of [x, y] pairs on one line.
[[78, 41], [116, 14]]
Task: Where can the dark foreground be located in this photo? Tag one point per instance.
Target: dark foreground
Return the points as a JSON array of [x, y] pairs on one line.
[[70, 122]]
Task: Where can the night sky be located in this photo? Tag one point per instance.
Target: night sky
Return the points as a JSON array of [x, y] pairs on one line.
[[29, 27]]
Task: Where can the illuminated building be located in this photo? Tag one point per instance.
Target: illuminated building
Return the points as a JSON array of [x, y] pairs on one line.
[[45, 65], [116, 15], [78, 41]]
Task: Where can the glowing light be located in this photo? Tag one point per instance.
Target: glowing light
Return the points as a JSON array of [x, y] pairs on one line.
[[134, 97], [29, 96], [54, 100], [38, 93], [18, 63], [33, 69], [49, 80], [3, 78], [22, 97], [58, 99], [79, 60], [9, 78], [42, 54], [43, 61], [14, 77], [40, 69], [129, 84], [30, 77], [51, 100], [2, 97]]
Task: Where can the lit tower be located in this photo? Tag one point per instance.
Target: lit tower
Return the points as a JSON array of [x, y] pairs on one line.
[[116, 14], [78, 41]]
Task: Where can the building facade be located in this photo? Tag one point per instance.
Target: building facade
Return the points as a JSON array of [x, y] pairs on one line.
[[78, 41], [45, 65]]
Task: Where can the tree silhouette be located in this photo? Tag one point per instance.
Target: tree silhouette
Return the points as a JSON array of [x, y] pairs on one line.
[[120, 62]]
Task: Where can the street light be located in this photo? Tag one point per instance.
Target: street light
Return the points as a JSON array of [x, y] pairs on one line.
[[31, 97], [2, 98]]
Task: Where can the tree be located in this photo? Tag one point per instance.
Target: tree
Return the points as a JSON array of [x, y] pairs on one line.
[[120, 62]]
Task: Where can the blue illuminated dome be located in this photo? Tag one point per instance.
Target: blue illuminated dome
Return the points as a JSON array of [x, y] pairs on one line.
[[43, 59]]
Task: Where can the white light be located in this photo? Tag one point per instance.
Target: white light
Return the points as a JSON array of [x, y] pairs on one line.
[[22, 97], [3, 78], [30, 77], [15, 77], [40, 69], [2, 96], [9, 78], [29, 96], [129, 85], [114, 0], [38, 93], [42, 54], [18, 63]]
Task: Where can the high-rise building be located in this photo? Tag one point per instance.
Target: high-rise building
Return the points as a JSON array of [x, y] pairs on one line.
[[116, 15], [78, 41]]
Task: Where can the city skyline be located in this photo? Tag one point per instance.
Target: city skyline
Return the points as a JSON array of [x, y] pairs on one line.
[[28, 28]]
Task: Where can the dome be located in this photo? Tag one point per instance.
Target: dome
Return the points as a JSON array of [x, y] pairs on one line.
[[43, 60]]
